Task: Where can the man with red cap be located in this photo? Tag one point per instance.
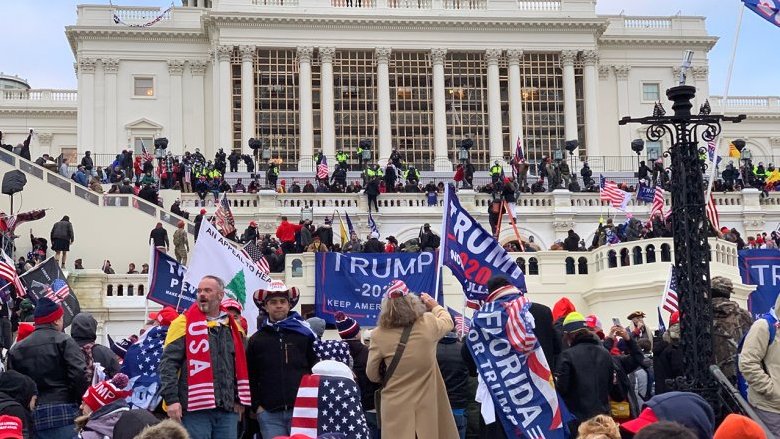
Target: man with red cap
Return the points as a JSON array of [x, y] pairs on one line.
[[10, 427], [198, 219], [56, 363]]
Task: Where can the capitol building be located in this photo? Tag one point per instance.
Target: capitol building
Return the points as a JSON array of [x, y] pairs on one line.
[[415, 75]]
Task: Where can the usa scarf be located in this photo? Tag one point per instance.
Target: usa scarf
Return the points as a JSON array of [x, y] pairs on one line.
[[200, 376]]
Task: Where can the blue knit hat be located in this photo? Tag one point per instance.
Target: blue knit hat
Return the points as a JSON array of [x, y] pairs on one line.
[[47, 311], [347, 326]]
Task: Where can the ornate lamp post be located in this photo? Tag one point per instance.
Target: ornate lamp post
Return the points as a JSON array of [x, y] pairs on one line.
[[690, 227]]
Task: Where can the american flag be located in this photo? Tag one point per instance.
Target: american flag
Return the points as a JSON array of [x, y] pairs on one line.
[[9, 274], [712, 213], [57, 291], [140, 365], [253, 252], [520, 337], [322, 168], [327, 404], [225, 221], [610, 192], [462, 323], [147, 157], [519, 150], [669, 300], [337, 350], [658, 201], [372, 224]]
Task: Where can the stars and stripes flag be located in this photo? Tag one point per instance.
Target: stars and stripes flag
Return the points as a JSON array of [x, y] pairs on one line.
[[322, 168], [610, 192], [9, 274], [658, 201], [147, 157], [462, 323], [712, 213], [519, 155], [253, 252], [372, 224], [225, 221], [141, 364], [328, 404], [669, 301], [57, 291]]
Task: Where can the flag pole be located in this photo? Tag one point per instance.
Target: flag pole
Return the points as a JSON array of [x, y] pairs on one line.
[[443, 231], [667, 283]]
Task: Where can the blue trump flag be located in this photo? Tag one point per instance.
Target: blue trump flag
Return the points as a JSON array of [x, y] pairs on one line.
[[165, 281], [355, 283], [761, 267], [523, 395], [471, 252], [767, 9], [645, 193]]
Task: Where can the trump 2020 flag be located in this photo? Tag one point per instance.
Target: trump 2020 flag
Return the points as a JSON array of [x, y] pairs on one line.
[[215, 255], [768, 9], [328, 404], [140, 365], [165, 280], [471, 252], [524, 395]]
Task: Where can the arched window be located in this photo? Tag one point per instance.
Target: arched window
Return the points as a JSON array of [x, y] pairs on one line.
[[533, 266], [297, 268], [130, 289], [666, 253], [637, 251], [570, 265], [612, 259], [141, 289], [582, 265], [109, 290], [650, 249], [624, 258], [120, 290], [521, 263]]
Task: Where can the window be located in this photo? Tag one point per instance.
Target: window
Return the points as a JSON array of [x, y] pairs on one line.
[[651, 91], [147, 142], [143, 86]]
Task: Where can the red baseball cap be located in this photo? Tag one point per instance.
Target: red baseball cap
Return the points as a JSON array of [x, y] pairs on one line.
[[164, 316], [10, 427], [674, 318], [644, 419]]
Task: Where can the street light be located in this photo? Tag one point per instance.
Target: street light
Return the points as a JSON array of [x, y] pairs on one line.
[[637, 145], [690, 229]]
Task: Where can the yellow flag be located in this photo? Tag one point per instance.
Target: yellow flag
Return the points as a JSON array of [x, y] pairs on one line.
[[733, 151], [343, 230]]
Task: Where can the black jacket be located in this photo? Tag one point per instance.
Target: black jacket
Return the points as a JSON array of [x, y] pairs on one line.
[[667, 364], [159, 236], [548, 337], [373, 246], [54, 361], [454, 371], [359, 353], [16, 392], [83, 330], [277, 360], [584, 376]]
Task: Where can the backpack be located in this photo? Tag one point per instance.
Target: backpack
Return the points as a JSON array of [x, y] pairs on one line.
[[742, 384]]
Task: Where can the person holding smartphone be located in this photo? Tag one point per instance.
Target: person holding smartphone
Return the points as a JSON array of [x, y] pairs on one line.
[[637, 326]]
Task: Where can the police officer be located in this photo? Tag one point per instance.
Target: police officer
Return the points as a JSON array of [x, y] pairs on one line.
[[495, 172], [272, 175], [341, 158]]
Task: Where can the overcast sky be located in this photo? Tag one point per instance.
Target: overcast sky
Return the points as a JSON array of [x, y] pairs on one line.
[[34, 46]]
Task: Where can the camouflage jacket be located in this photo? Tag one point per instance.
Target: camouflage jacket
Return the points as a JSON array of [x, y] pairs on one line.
[[730, 324]]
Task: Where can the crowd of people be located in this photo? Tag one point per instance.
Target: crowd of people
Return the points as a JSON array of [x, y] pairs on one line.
[[221, 382]]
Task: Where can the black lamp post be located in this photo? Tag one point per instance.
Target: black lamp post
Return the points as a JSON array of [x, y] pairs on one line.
[[690, 228], [570, 146], [637, 145]]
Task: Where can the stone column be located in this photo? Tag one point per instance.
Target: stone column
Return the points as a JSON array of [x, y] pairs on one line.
[[194, 107], [623, 104], [225, 137], [99, 145], [247, 93], [110, 69], [590, 59], [515, 97], [327, 115], [176, 116], [569, 95], [441, 158], [86, 113], [307, 113], [494, 105], [384, 122]]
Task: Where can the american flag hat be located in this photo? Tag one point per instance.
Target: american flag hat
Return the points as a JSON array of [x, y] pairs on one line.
[[396, 289], [228, 302], [347, 326], [277, 288]]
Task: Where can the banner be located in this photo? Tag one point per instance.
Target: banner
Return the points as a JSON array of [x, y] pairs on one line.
[[768, 9], [166, 277], [471, 252], [215, 255], [47, 280], [355, 283], [761, 267]]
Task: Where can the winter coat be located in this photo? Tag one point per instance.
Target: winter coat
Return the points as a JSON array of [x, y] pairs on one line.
[[83, 329], [101, 422], [359, 353], [545, 332], [667, 359], [415, 400], [326, 235], [286, 231], [373, 246], [584, 376], [277, 361], [62, 230], [454, 371], [42, 355], [729, 326], [16, 392], [759, 363]]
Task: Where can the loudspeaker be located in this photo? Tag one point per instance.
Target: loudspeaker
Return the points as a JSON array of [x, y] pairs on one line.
[[13, 182]]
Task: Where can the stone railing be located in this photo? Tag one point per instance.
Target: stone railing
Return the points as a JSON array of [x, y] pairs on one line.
[[39, 98], [539, 6], [746, 103], [140, 14], [647, 23], [622, 25]]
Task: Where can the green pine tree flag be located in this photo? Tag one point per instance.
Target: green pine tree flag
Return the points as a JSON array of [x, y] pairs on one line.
[[236, 288]]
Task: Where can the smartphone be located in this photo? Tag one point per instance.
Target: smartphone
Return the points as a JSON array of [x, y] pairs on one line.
[[616, 321]]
